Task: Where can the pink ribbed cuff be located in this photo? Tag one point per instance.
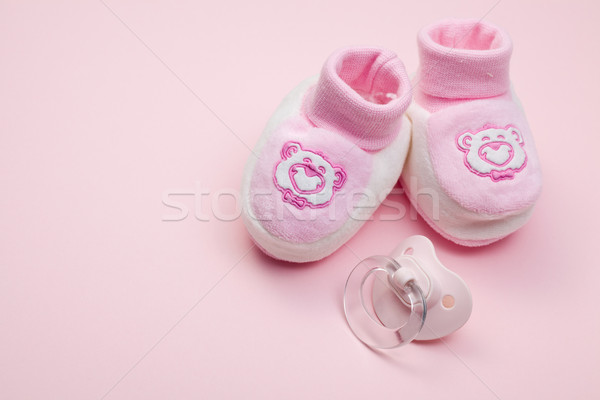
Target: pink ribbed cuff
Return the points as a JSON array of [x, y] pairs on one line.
[[464, 59], [362, 94]]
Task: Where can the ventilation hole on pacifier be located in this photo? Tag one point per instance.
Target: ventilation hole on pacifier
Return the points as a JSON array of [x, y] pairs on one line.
[[408, 251], [448, 301]]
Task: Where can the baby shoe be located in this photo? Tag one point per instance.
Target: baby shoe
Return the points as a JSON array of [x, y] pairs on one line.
[[328, 156], [472, 173]]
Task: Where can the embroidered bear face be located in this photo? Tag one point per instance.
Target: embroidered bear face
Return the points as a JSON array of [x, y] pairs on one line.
[[307, 178], [494, 152]]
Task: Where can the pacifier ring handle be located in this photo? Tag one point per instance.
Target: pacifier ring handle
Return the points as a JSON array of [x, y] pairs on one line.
[[372, 284]]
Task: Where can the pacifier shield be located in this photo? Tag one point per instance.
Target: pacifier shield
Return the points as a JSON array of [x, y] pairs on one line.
[[371, 288]]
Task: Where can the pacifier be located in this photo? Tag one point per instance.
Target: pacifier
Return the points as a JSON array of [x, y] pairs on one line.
[[390, 301]]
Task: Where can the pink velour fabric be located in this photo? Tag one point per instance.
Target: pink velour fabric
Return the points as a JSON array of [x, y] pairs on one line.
[[471, 189], [361, 94], [464, 59], [306, 225]]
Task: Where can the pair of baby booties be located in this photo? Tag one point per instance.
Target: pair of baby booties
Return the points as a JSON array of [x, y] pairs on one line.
[[457, 139]]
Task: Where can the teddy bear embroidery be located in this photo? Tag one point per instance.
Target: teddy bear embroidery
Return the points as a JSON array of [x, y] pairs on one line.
[[493, 152], [306, 178]]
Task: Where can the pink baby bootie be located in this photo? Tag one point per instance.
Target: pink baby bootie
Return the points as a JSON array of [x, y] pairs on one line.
[[328, 156], [472, 172]]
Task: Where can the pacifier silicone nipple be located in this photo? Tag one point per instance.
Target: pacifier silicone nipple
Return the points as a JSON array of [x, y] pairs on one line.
[[391, 300]]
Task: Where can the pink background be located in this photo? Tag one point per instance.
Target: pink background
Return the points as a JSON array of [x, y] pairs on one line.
[[101, 298]]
